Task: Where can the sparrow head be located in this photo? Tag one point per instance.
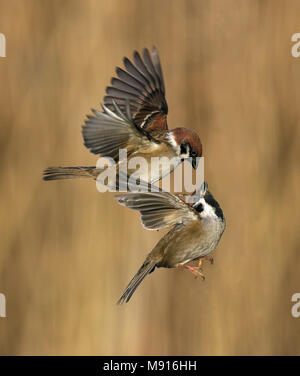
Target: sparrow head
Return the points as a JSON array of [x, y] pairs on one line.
[[188, 144], [206, 205]]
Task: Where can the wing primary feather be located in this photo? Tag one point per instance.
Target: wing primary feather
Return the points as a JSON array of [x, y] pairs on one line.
[[157, 65], [150, 67], [143, 69], [122, 85], [110, 90], [127, 77], [158, 209], [141, 82], [136, 73]]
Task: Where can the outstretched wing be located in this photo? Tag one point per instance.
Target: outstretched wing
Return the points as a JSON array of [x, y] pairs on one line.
[[158, 209], [107, 132], [142, 84]]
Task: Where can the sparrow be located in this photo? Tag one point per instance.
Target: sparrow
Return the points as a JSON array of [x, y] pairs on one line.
[[134, 118], [195, 230]]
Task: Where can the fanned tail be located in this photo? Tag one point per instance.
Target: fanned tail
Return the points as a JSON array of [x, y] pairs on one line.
[[58, 173], [145, 269]]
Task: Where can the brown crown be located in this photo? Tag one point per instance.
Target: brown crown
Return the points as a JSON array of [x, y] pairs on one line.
[[187, 135]]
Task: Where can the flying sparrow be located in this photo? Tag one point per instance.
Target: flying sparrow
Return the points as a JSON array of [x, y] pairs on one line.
[[134, 118], [195, 233]]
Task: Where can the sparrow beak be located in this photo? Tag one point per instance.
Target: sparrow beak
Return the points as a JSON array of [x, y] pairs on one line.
[[196, 196], [194, 162], [203, 188]]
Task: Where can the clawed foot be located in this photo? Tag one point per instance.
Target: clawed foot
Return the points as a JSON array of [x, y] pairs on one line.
[[193, 269], [208, 258], [197, 270]]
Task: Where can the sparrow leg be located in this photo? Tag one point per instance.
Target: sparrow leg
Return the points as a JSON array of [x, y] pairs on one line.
[[193, 269], [208, 258]]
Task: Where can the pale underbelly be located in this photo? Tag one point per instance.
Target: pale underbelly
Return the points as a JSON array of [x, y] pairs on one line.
[[182, 254], [151, 170]]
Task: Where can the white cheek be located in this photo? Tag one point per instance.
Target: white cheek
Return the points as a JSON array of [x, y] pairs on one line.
[[208, 211], [172, 141], [184, 156], [174, 144]]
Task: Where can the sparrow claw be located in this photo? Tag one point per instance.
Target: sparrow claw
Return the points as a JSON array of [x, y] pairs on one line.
[[199, 274], [202, 276], [208, 258], [193, 269]]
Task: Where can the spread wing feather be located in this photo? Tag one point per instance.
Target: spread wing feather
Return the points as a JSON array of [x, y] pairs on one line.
[[158, 209], [107, 132], [142, 84]]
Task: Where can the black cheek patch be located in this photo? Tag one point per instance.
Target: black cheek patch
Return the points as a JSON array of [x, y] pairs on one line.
[[183, 148], [199, 208], [212, 202], [219, 212]]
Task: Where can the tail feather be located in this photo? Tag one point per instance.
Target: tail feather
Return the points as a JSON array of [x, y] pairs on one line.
[[145, 269], [58, 173]]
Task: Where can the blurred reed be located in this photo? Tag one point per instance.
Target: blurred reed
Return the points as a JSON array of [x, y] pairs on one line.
[[67, 252]]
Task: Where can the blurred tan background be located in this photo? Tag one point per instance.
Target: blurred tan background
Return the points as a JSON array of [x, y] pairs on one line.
[[67, 252]]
